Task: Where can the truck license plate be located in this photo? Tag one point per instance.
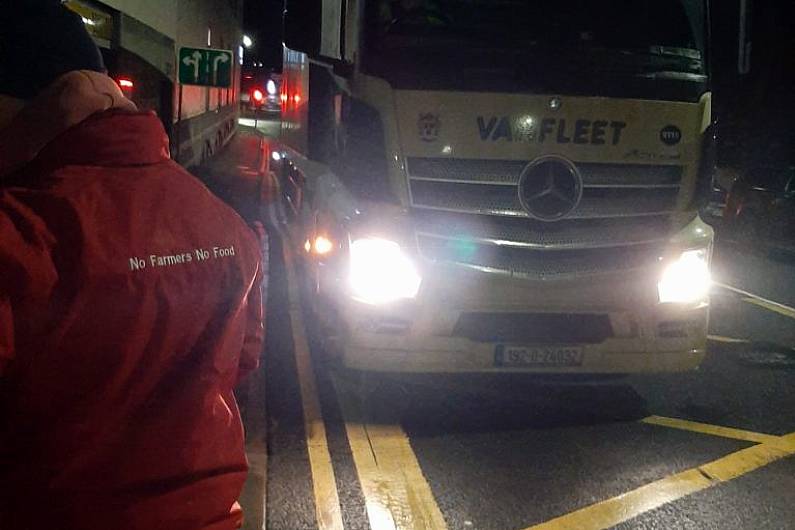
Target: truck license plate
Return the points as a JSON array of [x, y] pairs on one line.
[[537, 356]]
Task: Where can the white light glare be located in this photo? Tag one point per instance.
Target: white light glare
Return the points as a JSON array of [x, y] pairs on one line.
[[381, 273], [270, 86], [687, 279], [247, 42], [323, 245], [88, 21], [276, 155]]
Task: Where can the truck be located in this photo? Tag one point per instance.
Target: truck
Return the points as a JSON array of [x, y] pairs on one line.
[[500, 185], [140, 42]]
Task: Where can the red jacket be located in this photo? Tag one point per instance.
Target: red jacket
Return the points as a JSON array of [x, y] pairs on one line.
[[129, 309]]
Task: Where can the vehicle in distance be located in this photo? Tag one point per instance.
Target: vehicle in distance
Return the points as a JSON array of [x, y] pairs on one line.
[[502, 186], [259, 92]]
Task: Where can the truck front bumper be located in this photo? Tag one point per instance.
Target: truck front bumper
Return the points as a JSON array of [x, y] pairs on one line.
[[464, 320], [670, 340], [457, 356]]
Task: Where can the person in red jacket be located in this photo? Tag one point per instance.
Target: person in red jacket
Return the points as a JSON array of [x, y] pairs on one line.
[[129, 303]]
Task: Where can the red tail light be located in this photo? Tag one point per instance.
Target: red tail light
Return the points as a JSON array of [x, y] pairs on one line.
[[258, 95], [126, 83]]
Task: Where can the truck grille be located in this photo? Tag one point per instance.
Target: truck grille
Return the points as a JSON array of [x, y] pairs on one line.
[[532, 234], [489, 187], [530, 263], [468, 212], [507, 173]]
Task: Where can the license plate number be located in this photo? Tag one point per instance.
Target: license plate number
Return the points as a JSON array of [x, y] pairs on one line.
[[538, 356]]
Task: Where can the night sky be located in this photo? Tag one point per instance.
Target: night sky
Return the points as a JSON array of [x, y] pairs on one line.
[[263, 23], [756, 111]]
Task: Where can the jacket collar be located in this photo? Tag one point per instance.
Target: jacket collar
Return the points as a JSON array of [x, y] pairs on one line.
[[83, 117], [112, 138]]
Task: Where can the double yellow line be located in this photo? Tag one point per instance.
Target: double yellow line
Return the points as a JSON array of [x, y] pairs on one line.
[[760, 301], [396, 494], [327, 503]]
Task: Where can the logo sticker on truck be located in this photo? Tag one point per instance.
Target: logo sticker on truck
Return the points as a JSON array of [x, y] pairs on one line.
[[671, 135], [557, 130], [428, 126]]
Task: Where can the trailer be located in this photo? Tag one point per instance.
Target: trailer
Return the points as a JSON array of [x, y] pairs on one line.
[[140, 43]]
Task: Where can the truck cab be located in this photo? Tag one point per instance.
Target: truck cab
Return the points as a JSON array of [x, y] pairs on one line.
[[496, 186]]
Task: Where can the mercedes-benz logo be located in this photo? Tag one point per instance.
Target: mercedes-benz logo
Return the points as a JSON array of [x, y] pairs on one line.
[[550, 188]]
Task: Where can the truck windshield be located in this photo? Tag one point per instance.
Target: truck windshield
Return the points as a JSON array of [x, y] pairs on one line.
[[531, 44]]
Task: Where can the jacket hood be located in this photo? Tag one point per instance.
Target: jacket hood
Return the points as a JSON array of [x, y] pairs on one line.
[[74, 99]]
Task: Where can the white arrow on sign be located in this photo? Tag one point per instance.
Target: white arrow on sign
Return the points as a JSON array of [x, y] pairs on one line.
[[223, 58], [196, 62]]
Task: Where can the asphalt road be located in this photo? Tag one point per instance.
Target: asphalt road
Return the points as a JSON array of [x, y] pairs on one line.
[[710, 449], [263, 122]]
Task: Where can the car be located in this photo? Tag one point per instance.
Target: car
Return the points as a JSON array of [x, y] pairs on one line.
[[760, 207], [259, 92]]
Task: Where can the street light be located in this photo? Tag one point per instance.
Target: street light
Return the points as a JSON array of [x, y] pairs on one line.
[[247, 42]]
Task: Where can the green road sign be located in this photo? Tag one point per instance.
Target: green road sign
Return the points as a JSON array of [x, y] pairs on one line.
[[206, 67]]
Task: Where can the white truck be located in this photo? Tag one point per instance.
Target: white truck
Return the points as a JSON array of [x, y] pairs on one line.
[[501, 185]]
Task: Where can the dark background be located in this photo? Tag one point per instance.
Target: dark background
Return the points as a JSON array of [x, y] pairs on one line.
[[756, 112], [263, 23]]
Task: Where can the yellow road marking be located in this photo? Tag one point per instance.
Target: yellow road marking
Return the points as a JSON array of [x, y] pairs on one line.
[[624, 507], [396, 493], [728, 340], [760, 301], [765, 304], [327, 502], [714, 430]]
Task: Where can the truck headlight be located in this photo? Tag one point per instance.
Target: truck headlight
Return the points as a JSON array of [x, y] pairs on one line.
[[687, 279], [380, 272]]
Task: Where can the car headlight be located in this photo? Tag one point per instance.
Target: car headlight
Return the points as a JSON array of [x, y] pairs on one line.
[[270, 86], [687, 279], [380, 272]]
